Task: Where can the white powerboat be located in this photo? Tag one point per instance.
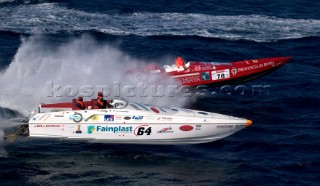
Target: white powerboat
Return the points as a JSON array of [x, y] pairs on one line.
[[131, 123]]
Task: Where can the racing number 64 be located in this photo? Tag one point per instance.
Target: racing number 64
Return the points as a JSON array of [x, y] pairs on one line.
[[142, 131]]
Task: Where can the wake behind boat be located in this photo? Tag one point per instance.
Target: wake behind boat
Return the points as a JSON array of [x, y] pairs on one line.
[[212, 73], [131, 123]]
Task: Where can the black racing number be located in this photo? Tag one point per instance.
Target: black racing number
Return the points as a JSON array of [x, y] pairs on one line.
[[141, 131], [221, 76], [148, 131]]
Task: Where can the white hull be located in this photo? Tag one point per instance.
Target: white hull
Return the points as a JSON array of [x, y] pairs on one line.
[[136, 124]]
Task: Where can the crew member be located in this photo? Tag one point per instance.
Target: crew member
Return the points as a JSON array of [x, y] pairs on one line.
[[100, 100], [179, 62], [108, 104], [80, 103]]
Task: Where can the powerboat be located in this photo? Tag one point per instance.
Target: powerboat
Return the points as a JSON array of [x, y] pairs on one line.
[[211, 73], [130, 123]]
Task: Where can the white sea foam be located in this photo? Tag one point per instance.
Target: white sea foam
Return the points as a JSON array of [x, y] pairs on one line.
[[53, 18], [24, 84]]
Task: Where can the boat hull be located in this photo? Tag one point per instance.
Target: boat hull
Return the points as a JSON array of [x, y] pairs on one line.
[[198, 133], [135, 123], [213, 74]]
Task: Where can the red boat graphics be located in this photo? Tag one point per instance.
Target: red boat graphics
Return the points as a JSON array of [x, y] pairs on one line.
[[212, 73]]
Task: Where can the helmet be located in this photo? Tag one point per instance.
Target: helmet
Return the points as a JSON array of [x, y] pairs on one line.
[[80, 98], [100, 94]]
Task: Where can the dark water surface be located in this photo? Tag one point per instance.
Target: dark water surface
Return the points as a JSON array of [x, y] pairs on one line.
[[281, 147]]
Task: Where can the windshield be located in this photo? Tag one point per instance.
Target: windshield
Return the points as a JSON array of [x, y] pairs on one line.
[[119, 103]]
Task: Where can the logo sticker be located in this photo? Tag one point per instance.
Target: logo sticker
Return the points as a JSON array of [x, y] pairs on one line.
[[90, 129], [113, 129], [186, 128], [94, 117], [166, 130], [137, 117], [197, 68], [198, 127], [77, 117], [78, 131], [205, 76], [127, 118], [234, 71], [108, 117]]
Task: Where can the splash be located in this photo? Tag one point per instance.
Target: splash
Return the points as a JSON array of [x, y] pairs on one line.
[[77, 63]]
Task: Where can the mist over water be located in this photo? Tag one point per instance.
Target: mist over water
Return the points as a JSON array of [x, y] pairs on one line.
[[38, 68]]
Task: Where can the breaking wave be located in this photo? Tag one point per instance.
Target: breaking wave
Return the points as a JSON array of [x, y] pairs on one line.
[[54, 18]]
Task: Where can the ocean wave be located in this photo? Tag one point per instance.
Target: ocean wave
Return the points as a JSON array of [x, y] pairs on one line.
[[6, 1], [54, 18]]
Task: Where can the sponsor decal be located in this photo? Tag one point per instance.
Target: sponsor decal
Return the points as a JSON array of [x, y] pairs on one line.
[[109, 118], [186, 75], [205, 76], [191, 79], [121, 111], [48, 125], [164, 119], [142, 130], [186, 128], [127, 118], [78, 131], [91, 129], [165, 130], [238, 126], [155, 110], [94, 117], [253, 67], [118, 117], [270, 63], [59, 116], [225, 126], [137, 117], [198, 127], [197, 68], [76, 117], [255, 61], [206, 68], [220, 74], [113, 129], [234, 71]]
